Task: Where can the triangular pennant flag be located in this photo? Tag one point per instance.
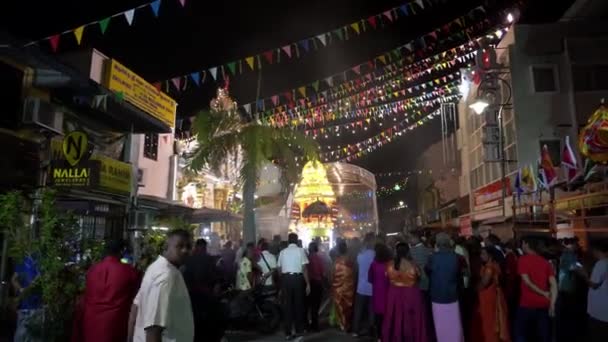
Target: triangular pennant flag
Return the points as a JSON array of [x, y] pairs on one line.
[[338, 33], [196, 77], [287, 49], [305, 45], [357, 69], [330, 81], [155, 5], [315, 85], [78, 33], [129, 16], [302, 91], [268, 55], [404, 10], [213, 72], [232, 67], [177, 82], [420, 3], [321, 37], [275, 99], [388, 15], [382, 59], [120, 96], [249, 61], [355, 27], [372, 21], [103, 24], [182, 2], [54, 41]]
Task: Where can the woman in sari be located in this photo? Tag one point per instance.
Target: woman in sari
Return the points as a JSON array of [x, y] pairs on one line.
[[491, 323], [405, 312], [343, 287]]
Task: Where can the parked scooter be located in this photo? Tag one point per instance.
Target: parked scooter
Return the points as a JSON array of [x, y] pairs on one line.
[[253, 310]]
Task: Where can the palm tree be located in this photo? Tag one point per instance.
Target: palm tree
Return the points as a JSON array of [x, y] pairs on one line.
[[222, 133]]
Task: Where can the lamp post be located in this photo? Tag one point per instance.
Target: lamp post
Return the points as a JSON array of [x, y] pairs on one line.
[[489, 96]]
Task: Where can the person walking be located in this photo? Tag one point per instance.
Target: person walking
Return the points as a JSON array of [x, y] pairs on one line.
[[30, 310], [110, 289], [380, 283], [445, 274], [343, 287], [162, 310], [316, 274], [203, 280], [538, 293], [295, 285], [363, 321], [405, 315], [597, 298], [267, 263], [490, 319]]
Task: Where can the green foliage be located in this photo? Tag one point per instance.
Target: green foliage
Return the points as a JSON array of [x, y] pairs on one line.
[[221, 135], [13, 211], [55, 245], [153, 240]]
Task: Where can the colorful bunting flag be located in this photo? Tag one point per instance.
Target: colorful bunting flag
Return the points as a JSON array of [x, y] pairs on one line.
[[287, 49], [155, 6], [213, 72], [321, 37], [103, 24], [196, 77], [54, 41], [177, 82], [355, 27], [78, 34], [232, 67], [249, 61], [182, 2], [129, 16], [268, 55]]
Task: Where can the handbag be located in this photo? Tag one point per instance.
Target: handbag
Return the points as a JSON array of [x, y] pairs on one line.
[[274, 273]]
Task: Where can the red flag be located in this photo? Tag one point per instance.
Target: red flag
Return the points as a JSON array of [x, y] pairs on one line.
[[547, 169], [54, 41]]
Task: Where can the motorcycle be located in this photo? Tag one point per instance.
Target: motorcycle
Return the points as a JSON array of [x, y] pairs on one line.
[[256, 309]]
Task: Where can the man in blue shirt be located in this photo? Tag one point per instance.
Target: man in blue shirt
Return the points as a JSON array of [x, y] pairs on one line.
[[30, 304], [445, 272], [363, 300]]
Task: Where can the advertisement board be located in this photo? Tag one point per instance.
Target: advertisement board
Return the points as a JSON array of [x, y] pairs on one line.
[[140, 93], [492, 192]]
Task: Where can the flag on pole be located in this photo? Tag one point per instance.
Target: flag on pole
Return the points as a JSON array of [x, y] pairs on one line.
[[569, 160], [528, 179], [546, 169], [518, 184]]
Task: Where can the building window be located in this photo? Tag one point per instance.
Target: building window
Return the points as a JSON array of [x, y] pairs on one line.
[[554, 147], [590, 77], [151, 146], [544, 78]]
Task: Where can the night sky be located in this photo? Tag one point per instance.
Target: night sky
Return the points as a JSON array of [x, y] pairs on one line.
[[209, 33]]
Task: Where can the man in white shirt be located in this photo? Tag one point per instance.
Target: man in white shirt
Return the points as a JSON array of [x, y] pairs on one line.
[[294, 284], [161, 310], [267, 263]]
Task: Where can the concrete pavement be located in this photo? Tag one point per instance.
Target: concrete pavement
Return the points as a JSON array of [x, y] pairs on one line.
[[332, 335]]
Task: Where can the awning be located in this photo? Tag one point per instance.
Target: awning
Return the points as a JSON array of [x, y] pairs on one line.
[[163, 205], [213, 215]]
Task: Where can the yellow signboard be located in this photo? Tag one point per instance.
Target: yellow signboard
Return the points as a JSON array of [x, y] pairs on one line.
[[140, 93], [113, 175]]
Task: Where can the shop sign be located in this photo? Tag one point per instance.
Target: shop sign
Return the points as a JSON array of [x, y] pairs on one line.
[[102, 172], [75, 170], [466, 227], [140, 93], [492, 192]]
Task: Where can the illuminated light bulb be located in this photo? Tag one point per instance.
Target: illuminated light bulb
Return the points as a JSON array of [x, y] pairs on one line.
[[365, 128], [353, 132], [510, 18]]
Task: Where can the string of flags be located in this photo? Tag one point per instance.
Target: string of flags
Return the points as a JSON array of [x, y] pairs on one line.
[[381, 116], [371, 103], [396, 187], [357, 150], [412, 172], [449, 32], [102, 24], [311, 93], [359, 90], [299, 48]]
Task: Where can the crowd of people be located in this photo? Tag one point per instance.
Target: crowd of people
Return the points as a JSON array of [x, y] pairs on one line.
[[415, 288]]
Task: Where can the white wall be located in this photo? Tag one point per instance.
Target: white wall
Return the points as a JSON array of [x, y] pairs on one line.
[[156, 180]]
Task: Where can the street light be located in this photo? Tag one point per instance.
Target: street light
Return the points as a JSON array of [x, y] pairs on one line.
[[479, 106]]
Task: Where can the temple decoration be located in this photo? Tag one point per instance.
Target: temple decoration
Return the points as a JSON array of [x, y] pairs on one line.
[[314, 199], [593, 139]]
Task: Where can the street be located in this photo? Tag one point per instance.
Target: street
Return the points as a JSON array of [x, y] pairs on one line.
[[329, 334]]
